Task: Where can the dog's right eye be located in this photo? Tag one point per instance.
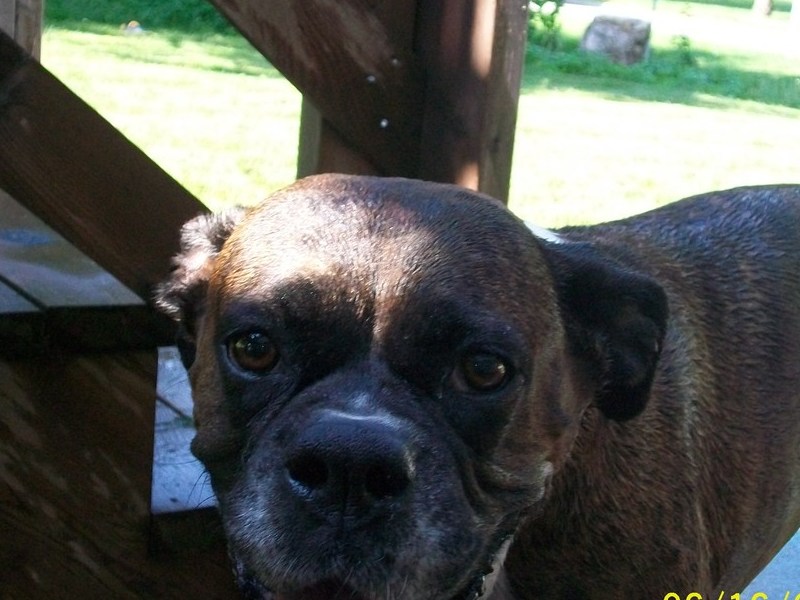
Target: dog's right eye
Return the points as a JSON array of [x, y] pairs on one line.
[[481, 372], [253, 351]]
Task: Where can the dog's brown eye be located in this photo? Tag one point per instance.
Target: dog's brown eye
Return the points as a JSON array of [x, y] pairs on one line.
[[481, 373], [253, 351]]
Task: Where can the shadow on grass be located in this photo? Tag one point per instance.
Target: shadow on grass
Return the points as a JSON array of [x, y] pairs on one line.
[[186, 16], [178, 21], [678, 75], [226, 52], [778, 5]]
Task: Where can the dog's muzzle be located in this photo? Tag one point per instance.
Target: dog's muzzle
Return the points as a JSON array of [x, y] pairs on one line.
[[359, 470]]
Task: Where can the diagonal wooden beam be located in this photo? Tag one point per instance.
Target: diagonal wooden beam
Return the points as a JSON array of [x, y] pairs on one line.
[[71, 168], [418, 88], [353, 59]]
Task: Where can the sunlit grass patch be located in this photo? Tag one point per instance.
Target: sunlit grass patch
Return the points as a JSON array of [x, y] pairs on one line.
[[717, 105]]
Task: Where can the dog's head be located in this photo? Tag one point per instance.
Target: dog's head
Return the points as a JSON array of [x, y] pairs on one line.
[[386, 375]]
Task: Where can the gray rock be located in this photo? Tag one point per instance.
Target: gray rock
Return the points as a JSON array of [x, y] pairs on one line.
[[623, 40]]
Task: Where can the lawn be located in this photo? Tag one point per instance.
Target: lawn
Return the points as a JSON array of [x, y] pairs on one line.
[[717, 104]]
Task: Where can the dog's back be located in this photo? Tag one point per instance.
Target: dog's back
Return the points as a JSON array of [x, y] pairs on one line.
[[720, 437]]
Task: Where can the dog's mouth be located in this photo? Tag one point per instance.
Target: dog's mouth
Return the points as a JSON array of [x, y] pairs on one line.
[[332, 589], [335, 590], [326, 590]]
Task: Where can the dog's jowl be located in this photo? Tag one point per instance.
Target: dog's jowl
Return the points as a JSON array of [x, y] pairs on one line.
[[404, 393]]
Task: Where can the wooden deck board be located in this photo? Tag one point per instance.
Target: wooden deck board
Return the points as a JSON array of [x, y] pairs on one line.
[[76, 172], [48, 268], [75, 469]]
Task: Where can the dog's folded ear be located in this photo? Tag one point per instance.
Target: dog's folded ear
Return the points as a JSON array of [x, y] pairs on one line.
[[615, 320], [182, 295]]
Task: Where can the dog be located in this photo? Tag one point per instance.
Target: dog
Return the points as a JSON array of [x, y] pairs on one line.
[[404, 392]]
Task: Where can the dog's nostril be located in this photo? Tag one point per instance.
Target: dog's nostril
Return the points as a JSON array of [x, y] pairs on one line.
[[308, 470], [382, 481]]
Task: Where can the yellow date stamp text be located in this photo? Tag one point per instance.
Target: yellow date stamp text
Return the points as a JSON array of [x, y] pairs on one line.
[[788, 595]]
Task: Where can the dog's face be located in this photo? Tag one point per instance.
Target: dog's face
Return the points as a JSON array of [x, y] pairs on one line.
[[386, 376]]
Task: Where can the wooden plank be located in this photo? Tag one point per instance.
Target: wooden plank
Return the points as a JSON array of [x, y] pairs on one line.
[[22, 20], [75, 462], [440, 79], [353, 61], [48, 269], [30, 14], [473, 53], [71, 168], [23, 335], [8, 17], [83, 329], [322, 150], [108, 328]]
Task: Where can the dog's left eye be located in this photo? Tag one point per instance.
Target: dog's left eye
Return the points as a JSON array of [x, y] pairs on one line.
[[253, 351], [481, 372]]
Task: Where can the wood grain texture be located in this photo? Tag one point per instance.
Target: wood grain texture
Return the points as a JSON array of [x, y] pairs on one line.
[[71, 168], [323, 150], [47, 269], [14, 300], [75, 462], [22, 20], [352, 64], [416, 89], [473, 53]]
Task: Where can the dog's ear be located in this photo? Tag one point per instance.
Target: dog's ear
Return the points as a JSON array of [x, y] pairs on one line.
[[182, 295], [615, 320]]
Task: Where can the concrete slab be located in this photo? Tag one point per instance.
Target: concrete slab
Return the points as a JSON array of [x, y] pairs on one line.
[[780, 579], [179, 480]]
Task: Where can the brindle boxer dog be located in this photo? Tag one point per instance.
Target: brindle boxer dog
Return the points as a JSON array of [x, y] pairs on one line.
[[402, 393]]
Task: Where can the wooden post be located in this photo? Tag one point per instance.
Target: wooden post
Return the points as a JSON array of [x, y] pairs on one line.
[[22, 20], [351, 64], [473, 54], [416, 89], [76, 450], [322, 150]]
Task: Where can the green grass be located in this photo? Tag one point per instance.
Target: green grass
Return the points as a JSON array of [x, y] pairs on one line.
[[598, 141], [594, 140], [187, 16], [211, 112]]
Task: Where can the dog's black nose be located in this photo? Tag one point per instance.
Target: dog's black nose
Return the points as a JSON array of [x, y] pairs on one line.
[[348, 463]]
